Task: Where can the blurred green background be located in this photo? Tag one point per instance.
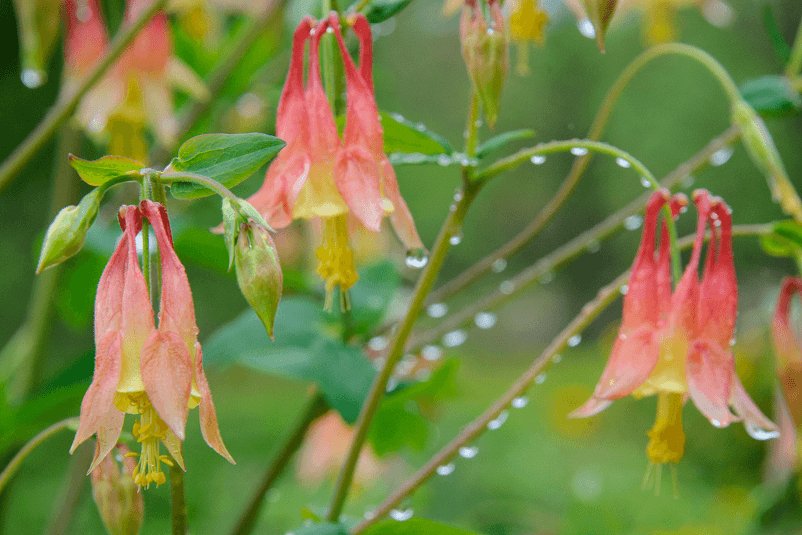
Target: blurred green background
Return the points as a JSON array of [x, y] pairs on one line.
[[538, 473]]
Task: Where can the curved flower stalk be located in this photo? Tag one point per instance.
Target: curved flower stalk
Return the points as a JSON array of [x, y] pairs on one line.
[[677, 345], [318, 175], [156, 374]]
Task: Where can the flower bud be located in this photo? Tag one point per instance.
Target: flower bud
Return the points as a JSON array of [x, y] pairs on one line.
[[599, 13], [788, 349], [486, 53], [120, 505], [65, 235], [258, 271], [760, 146]]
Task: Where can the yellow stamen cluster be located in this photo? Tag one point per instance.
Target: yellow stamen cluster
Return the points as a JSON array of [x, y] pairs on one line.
[[667, 438], [336, 260], [149, 431]]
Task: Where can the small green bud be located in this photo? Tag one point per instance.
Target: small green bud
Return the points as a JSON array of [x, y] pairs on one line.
[[65, 235], [599, 13], [258, 271], [760, 146], [118, 501]]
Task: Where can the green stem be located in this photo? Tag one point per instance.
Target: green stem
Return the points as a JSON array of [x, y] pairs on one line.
[[795, 60], [315, 408], [65, 107], [476, 428], [15, 462], [168, 178], [178, 501]]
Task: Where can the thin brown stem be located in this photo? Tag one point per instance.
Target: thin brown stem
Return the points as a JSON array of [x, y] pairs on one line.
[[178, 501], [69, 494]]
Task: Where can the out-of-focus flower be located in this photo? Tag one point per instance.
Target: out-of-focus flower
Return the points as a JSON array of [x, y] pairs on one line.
[[156, 374], [38, 30], [325, 449], [317, 175], [203, 19], [118, 501], [788, 349], [528, 22], [677, 346]]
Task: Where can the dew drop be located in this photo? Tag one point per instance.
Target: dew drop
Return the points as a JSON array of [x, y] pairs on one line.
[[437, 310], [546, 278], [431, 353], [420, 127], [456, 239], [507, 287], [540, 379], [401, 515], [499, 265], [417, 258], [444, 160], [499, 421], [687, 181], [721, 156], [758, 433], [624, 289], [468, 452], [458, 195], [377, 343], [732, 342], [485, 320], [633, 222], [557, 358], [454, 338], [645, 182], [446, 469], [574, 340], [538, 159], [478, 123], [329, 30], [594, 246], [586, 28], [716, 423], [520, 402], [33, 78], [579, 151], [623, 163], [490, 31], [369, 515]]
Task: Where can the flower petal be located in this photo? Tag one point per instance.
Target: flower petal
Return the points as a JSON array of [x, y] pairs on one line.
[[284, 180], [709, 372], [208, 417], [592, 407], [357, 177], [632, 360], [401, 218], [167, 374], [756, 423]]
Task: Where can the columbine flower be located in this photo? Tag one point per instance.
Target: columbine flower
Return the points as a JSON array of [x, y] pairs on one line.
[[316, 175], [788, 349], [154, 373], [528, 22], [677, 346]]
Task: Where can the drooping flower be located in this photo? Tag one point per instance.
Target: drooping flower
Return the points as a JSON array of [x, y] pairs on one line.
[[677, 345], [788, 349], [154, 373], [319, 176], [528, 20]]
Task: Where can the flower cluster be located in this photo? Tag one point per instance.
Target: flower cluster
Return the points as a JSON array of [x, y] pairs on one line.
[[320, 175], [677, 345], [155, 373]]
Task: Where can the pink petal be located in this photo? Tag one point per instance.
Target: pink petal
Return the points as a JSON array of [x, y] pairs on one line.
[[137, 312], [166, 367], [709, 371], [401, 218], [756, 423], [783, 458], [285, 178], [208, 417], [592, 407], [631, 362], [291, 120], [109, 298], [357, 177], [108, 433]]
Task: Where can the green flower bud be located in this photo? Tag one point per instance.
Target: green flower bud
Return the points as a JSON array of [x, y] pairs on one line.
[[760, 146], [600, 12], [116, 495], [65, 235], [258, 271]]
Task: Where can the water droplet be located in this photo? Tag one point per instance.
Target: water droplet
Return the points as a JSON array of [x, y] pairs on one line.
[[687, 181], [417, 258], [456, 239], [420, 127], [623, 163], [400, 516], [468, 452], [431, 353], [329, 30], [499, 265], [717, 223], [579, 151], [485, 320], [546, 278], [506, 287], [758, 433], [499, 421], [538, 159], [454, 338], [645, 182], [732, 342], [458, 195], [721, 156], [540, 379], [716, 423], [33, 78], [586, 28], [520, 402], [594, 246], [446, 469], [633, 222], [377, 343], [444, 160], [391, 384], [490, 31], [624, 289], [369, 515], [622, 336], [478, 123], [437, 310], [557, 358], [574, 340]]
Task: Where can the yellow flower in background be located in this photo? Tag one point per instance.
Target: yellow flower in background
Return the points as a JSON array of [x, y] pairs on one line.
[[527, 23]]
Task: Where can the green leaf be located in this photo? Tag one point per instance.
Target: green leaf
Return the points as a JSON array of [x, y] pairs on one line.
[[414, 526], [344, 375], [226, 158], [321, 529], [771, 95], [402, 135], [380, 10], [496, 142], [100, 171], [370, 297], [781, 48], [784, 240]]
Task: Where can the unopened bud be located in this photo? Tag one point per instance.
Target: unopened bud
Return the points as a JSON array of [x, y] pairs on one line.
[[787, 349], [65, 235], [760, 146], [120, 505], [486, 53], [258, 271], [599, 13]]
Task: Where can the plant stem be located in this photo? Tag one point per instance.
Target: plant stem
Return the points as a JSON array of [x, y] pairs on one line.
[[588, 313], [317, 406], [15, 462], [66, 106], [168, 178], [178, 501], [69, 494], [795, 61], [451, 227]]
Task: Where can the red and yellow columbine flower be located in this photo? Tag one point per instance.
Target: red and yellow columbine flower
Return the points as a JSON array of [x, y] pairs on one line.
[[788, 349], [156, 374], [317, 174], [677, 346]]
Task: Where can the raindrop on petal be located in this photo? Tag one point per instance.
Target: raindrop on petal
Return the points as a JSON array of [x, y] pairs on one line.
[[417, 258], [624, 289]]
